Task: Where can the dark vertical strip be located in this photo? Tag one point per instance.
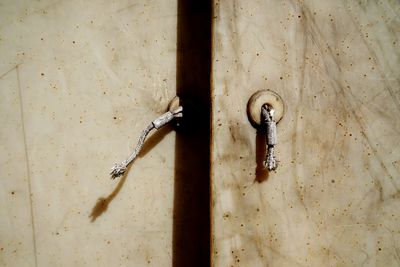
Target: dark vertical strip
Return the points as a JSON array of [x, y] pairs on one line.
[[191, 226]]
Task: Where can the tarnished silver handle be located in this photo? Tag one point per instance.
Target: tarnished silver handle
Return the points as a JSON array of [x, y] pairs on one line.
[[119, 169], [272, 140], [265, 109]]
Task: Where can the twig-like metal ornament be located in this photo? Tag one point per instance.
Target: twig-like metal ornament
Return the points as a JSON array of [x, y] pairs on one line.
[[269, 121], [119, 169]]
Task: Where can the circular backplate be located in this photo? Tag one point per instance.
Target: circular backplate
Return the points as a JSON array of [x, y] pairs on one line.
[[174, 103], [260, 98]]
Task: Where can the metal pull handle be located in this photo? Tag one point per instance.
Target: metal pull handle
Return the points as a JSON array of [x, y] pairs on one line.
[[119, 169], [269, 120], [265, 109]]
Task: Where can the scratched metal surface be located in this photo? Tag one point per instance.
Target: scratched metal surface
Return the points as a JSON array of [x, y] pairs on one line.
[[79, 81], [334, 199]]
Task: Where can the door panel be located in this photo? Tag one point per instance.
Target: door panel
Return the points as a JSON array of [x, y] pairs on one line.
[[80, 80], [334, 199]]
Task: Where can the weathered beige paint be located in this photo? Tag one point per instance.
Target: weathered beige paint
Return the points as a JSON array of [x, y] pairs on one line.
[[79, 80], [334, 200]]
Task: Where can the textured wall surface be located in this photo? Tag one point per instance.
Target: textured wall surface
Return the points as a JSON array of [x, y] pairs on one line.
[[79, 80], [334, 200]]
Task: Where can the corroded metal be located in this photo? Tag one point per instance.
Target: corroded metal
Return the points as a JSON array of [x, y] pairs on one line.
[[119, 169], [270, 124]]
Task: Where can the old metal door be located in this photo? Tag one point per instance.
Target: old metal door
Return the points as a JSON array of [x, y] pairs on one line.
[[334, 198], [79, 80]]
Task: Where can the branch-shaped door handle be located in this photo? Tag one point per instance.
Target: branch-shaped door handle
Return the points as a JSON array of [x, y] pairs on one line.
[[120, 168]]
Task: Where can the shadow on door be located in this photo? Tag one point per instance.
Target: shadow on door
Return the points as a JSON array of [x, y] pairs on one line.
[[191, 226]]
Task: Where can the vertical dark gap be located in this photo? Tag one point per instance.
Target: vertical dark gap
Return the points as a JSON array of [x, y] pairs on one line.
[[191, 225]]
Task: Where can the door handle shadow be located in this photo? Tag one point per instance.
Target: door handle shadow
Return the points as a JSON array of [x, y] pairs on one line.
[[102, 203]]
